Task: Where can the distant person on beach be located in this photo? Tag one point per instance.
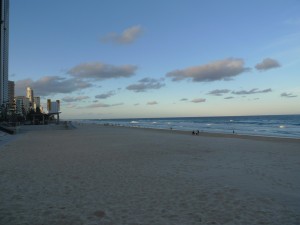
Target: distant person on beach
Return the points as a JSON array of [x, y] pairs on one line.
[[196, 132]]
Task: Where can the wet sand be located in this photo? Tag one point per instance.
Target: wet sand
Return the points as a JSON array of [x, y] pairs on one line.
[[114, 175]]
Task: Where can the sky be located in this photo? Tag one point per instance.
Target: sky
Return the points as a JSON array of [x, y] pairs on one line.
[[174, 58]]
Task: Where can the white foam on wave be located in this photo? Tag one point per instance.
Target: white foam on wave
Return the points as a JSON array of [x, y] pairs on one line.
[[134, 121], [281, 126]]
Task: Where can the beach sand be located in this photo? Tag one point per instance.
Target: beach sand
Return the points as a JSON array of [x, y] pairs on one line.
[[126, 176]]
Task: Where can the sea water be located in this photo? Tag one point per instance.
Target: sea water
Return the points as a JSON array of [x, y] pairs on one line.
[[274, 126]]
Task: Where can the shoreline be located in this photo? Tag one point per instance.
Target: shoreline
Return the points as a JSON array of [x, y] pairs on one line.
[[205, 134], [274, 126]]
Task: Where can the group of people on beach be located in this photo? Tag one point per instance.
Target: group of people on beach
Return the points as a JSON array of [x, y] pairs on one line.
[[196, 132]]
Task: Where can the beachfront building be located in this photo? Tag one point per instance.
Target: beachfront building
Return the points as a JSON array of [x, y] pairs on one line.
[[22, 105], [53, 108], [11, 93], [4, 31], [37, 103], [30, 96]]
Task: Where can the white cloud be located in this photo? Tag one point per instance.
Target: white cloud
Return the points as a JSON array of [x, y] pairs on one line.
[[101, 71], [102, 105], [252, 91], [218, 70], [145, 84], [128, 36], [198, 100], [74, 99], [288, 95], [267, 64], [50, 85], [152, 103], [105, 95], [218, 92]]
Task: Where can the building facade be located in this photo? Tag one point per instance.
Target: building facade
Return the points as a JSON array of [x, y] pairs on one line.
[[11, 93], [4, 32], [37, 103], [30, 96], [22, 105]]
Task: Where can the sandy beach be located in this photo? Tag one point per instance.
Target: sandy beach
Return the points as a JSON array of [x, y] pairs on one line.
[[109, 175]]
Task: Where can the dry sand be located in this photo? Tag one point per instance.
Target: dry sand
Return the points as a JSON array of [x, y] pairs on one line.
[[125, 176]]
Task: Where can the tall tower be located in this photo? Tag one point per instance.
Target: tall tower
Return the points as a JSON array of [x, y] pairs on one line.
[[29, 95], [4, 31], [11, 93]]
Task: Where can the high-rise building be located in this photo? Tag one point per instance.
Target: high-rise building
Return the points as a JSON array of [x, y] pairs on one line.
[[29, 95], [37, 103], [11, 93], [22, 105], [4, 31]]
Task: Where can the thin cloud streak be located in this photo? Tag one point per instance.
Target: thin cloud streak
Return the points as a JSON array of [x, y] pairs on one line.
[[74, 99], [102, 105], [128, 36], [252, 91], [145, 84], [152, 103], [288, 95], [105, 95], [198, 100], [218, 92]]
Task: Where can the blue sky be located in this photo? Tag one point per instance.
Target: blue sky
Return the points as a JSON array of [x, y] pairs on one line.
[[121, 59]]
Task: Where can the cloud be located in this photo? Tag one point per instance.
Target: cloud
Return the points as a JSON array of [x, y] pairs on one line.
[[101, 71], [102, 105], [50, 85], [74, 99], [252, 91], [183, 99], [152, 103], [230, 97], [288, 95], [128, 36], [198, 100], [70, 105], [218, 92], [105, 95], [217, 70], [267, 64], [145, 84]]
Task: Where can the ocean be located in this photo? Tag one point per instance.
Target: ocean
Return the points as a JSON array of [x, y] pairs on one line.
[[271, 126]]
